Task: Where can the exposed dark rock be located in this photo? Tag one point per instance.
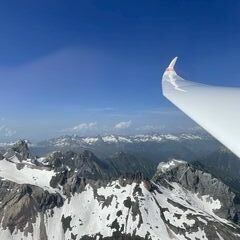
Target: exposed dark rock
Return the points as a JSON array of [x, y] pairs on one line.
[[66, 223], [20, 150], [115, 237], [21, 204], [73, 236], [202, 183], [123, 163], [43, 233], [127, 202], [119, 213], [86, 164]]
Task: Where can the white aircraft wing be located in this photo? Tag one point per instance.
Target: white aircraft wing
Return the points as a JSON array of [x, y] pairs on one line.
[[216, 109]]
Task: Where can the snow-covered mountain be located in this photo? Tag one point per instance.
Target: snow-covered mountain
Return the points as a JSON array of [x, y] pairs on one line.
[[79, 196], [113, 139], [152, 147]]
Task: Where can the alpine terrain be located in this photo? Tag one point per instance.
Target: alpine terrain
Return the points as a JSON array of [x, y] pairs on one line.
[[76, 195]]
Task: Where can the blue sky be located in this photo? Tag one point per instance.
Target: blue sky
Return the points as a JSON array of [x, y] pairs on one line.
[[87, 67]]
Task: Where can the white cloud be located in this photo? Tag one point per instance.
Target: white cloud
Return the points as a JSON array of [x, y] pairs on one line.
[[6, 131], [123, 125], [81, 127]]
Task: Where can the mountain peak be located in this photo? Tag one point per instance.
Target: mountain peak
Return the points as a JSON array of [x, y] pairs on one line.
[[168, 166], [194, 178], [19, 151]]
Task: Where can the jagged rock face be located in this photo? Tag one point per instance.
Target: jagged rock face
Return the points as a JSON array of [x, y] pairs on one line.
[[20, 151], [86, 163], [138, 211], [72, 196], [21, 204], [89, 166], [224, 165], [202, 183], [128, 163], [119, 210]]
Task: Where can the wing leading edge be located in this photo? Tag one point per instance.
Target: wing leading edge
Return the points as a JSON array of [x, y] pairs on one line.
[[214, 108]]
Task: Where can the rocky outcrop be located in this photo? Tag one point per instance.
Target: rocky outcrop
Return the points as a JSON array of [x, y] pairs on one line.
[[124, 162], [85, 197], [22, 204], [197, 180], [20, 151], [85, 163]]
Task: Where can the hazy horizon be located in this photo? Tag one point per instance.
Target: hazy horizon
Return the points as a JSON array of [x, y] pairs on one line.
[[93, 68]]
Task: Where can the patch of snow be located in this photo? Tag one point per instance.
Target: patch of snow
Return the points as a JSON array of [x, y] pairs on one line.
[[190, 136], [156, 138], [165, 166], [90, 140], [220, 237], [171, 137], [124, 139], [110, 139]]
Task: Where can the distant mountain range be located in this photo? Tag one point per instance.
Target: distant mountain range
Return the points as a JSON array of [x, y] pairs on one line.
[[144, 151], [67, 194], [114, 139], [149, 143]]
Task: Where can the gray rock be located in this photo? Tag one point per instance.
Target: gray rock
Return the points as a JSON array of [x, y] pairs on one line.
[[198, 181]]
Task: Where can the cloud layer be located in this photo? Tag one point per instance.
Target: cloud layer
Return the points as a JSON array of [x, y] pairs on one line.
[[81, 127], [6, 131], [123, 125]]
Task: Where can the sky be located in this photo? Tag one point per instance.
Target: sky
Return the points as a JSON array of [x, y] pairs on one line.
[[94, 67]]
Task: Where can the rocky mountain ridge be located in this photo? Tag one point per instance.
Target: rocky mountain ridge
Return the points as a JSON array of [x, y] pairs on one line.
[[74, 196], [71, 140]]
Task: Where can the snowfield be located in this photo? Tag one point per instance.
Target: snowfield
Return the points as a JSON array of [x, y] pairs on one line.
[[26, 174]]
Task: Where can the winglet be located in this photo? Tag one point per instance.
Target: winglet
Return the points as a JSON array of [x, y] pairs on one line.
[[172, 64]]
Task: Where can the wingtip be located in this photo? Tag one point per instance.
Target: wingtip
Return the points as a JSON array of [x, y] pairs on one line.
[[172, 63]]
